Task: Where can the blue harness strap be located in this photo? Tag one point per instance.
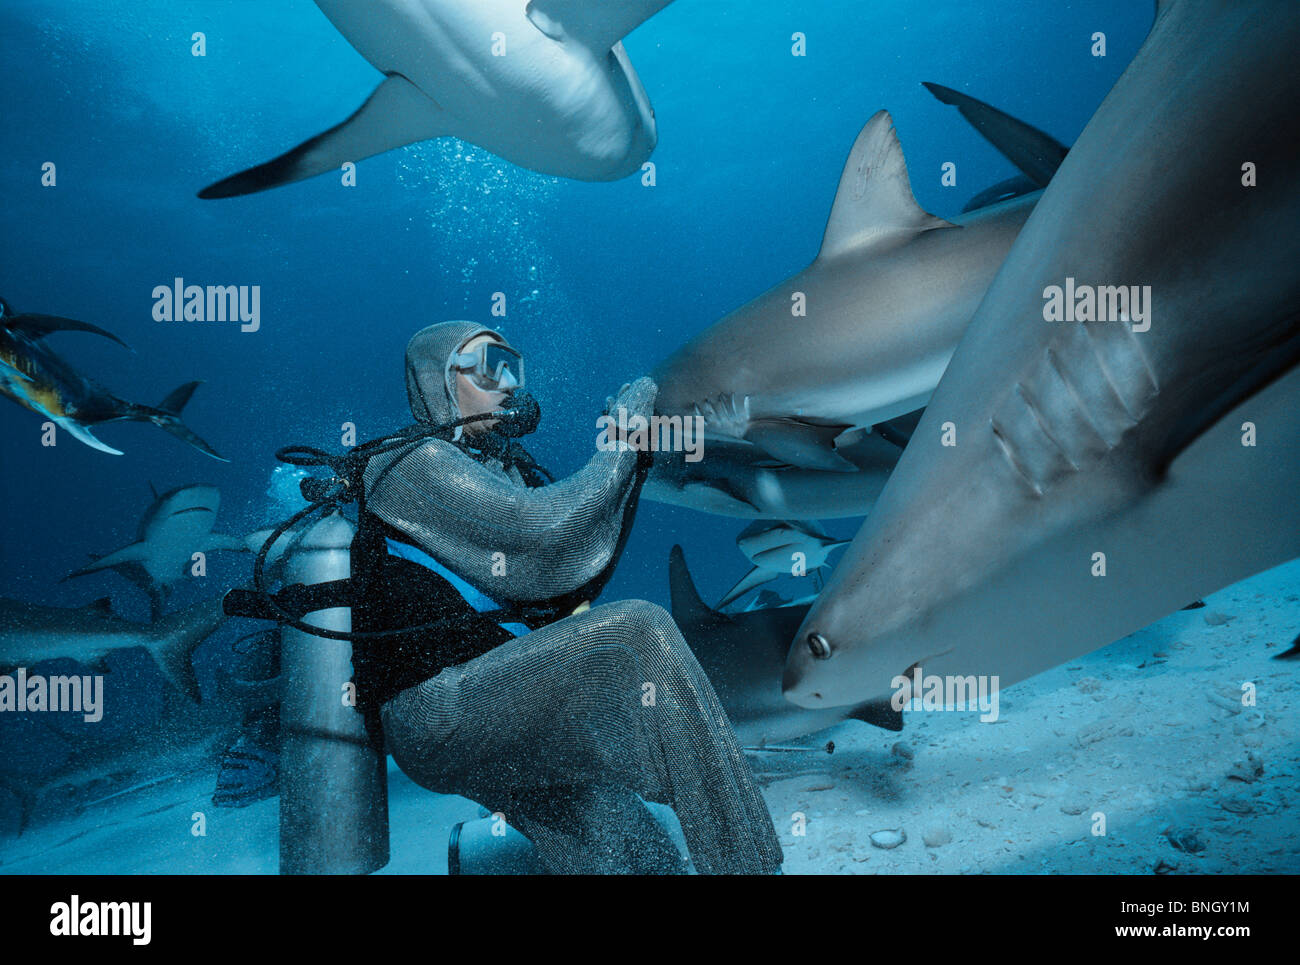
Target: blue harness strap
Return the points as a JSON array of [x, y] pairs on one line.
[[481, 602]]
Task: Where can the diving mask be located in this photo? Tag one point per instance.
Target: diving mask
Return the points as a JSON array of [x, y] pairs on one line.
[[493, 366]]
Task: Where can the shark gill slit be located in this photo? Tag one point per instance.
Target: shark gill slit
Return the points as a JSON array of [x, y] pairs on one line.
[[1011, 457], [1054, 364], [1041, 419], [1098, 357]]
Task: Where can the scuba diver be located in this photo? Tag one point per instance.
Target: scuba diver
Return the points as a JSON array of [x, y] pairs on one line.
[[519, 695]]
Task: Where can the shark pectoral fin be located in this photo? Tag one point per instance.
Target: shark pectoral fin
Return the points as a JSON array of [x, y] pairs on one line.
[[754, 578], [879, 713], [220, 541], [874, 205], [396, 114], [1037, 154], [799, 444], [134, 553], [83, 434], [596, 25]]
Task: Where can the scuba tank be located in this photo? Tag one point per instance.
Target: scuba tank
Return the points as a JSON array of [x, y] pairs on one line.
[[334, 772]]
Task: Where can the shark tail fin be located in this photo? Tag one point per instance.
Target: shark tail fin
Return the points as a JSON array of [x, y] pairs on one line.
[[167, 416], [1292, 652], [1035, 153], [688, 606], [396, 114], [176, 636]]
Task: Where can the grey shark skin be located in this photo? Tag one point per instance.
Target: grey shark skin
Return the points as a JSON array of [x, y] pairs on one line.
[[177, 525], [743, 654], [887, 299], [561, 98], [1077, 438], [30, 633], [38, 379], [736, 478]]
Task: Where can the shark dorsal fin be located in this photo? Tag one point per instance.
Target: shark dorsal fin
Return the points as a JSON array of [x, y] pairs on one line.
[[689, 609], [596, 25], [103, 605], [874, 203]]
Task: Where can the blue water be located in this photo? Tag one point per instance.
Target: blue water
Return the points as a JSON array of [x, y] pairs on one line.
[[602, 280]]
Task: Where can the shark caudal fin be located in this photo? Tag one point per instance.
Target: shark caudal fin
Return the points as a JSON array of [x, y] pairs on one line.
[[167, 416], [689, 608], [396, 114], [1035, 153], [1292, 652], [175, 637]]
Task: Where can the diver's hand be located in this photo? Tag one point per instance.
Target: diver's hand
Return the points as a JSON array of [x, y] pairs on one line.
[[636, 399]]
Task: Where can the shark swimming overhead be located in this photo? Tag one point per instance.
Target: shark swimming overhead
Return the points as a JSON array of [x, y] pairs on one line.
[[544, 84], [863, 334], [1102, 471], [37, 379], [177, 525]]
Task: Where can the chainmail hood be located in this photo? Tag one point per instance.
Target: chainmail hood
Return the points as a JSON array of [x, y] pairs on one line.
[[432, 398]]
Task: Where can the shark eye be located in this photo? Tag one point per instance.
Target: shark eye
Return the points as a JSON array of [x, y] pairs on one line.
[[818, 646]]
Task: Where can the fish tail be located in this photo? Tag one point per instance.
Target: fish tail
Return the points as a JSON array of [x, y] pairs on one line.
[[167, 416]]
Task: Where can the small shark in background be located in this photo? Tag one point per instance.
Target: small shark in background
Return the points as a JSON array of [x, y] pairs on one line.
[[771, 546], [37, 379], [1103, 442], [177, 525], [563, 98], [30, 633], [743, 655]]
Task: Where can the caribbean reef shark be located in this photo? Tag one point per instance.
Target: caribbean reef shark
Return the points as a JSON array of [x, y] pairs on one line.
[[30, 633], [177, 525], [743, 655], [886, 301], [1103, 472], [544, 84], [37, 379]]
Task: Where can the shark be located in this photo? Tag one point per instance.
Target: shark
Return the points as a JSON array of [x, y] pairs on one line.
[[544, 84], [862, 335], [743, 655], [1101, 472], [35, 377], [735, 478], [30, 633], [176, 525], [775, 547]]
